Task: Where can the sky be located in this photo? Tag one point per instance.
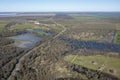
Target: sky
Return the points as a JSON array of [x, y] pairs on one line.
[[59, 5]]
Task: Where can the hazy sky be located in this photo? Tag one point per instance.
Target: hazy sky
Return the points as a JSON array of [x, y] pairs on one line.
[[59, 5]]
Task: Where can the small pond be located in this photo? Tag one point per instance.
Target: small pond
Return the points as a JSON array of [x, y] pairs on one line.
[[29, 39]]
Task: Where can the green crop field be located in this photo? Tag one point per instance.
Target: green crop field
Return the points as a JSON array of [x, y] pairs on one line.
[[98, 62]]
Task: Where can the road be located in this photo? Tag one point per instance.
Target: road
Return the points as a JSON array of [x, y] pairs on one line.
[[74, 58], [24, 57]]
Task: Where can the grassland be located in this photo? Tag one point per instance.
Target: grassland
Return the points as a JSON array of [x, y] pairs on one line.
[[105, 64], [25, 26], [118, 26], [41, 33], [41, 26], [3, 23], [117, 38]]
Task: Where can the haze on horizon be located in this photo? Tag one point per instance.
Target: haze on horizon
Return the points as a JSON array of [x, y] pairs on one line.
[[59, 5]]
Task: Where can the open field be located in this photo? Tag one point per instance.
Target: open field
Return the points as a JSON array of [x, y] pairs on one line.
[[98, 62], [3, 23]]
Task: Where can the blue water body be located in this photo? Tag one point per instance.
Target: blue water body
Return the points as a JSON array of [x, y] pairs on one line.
[[29, 39], [26, 40]]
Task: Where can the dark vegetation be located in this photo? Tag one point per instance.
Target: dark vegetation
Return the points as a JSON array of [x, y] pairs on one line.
[[8, 58], [92, 74], [10, 24], [8, 33], [9, 54], [105, 46], [36, 62], [5, 41]]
